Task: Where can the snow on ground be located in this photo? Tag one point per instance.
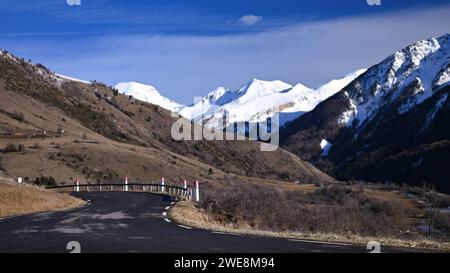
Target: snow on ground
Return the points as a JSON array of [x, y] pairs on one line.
[[71, 79], [325, 145], [435, 110]]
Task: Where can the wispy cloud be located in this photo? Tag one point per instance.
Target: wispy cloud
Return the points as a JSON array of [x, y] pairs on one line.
[[183, 66], [250, 20], [73, 2]]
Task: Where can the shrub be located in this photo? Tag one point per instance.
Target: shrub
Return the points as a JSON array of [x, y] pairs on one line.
[[334, 209], [17, 116], [129, 113], [14, 148], [45, 181], [283, 176], [443, 222], [36, 146]]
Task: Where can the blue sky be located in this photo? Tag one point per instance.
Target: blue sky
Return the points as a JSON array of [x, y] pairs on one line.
[[186, 48]]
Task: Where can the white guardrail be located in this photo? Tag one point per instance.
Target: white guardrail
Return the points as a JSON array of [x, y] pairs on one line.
[[184, 192]]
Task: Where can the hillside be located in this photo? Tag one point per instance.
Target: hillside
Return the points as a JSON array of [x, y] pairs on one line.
[[388, 125], [23, 199], [108, 135]]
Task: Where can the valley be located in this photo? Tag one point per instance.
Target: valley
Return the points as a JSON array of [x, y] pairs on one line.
[[361, 158]]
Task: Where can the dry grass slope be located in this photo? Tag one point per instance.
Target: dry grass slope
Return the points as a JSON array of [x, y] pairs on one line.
[[124, 134], [188, 214], [17, 200]]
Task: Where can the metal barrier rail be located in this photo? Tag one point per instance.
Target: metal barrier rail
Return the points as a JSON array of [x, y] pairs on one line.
[[185, 193]]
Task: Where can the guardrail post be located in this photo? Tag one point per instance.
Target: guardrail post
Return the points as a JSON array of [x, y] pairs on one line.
[[185, 184], [197, 191], [77, 188], [126, 183], [162, 185]]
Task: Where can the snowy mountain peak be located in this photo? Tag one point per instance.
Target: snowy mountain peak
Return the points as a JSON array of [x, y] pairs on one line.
[[258, 88], [216, 94], [253, 102], [136, 85], [300, 88], [264, 86], [147, 93], [408, 77]]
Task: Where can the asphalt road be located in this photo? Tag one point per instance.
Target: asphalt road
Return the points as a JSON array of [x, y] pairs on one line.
[[134, 222]]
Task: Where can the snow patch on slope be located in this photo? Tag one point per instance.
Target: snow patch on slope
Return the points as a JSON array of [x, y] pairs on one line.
[[435, 110], [325, 145], [67, 78], [443, 78]]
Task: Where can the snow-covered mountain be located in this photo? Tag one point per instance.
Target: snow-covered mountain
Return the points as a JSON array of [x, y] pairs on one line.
[[390, 124], [307, 100], [240, 105], [258, 100], [408, 78], [254, 102], [147, 93]]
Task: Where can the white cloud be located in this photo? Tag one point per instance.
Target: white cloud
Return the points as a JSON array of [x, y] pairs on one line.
[[250, 20], [73, 2]]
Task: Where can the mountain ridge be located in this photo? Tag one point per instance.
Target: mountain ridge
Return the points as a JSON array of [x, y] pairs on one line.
[[273, 97], [384, 118], [108, 135]]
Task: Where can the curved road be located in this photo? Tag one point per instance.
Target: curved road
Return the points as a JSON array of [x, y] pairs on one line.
[[133, 222]]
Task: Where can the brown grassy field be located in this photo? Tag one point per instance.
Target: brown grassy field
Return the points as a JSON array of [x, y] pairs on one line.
[[335, 213], [18, 200], [187, 213]]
